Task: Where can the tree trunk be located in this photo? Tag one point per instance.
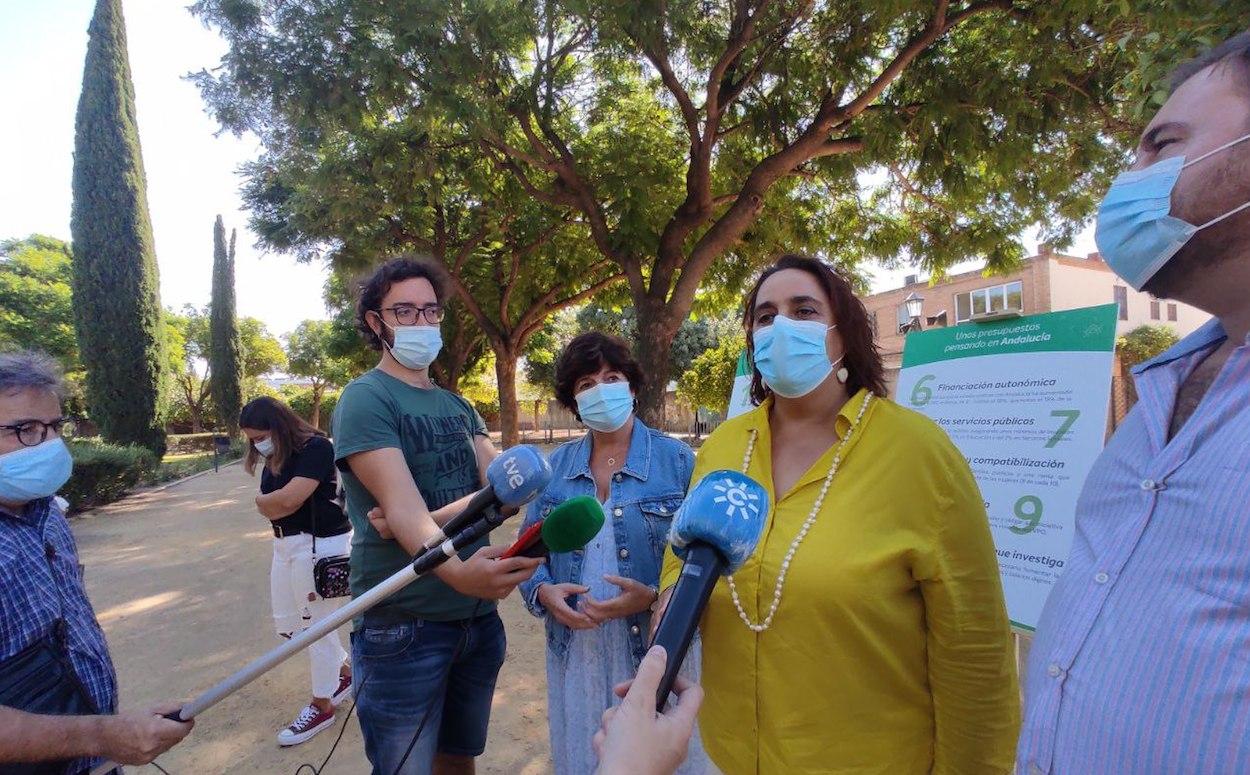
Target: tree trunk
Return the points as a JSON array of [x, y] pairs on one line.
[[316, 407], [656, 331], [509, 416]]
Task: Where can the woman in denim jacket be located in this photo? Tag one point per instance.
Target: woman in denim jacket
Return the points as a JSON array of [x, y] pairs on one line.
[[597, 600]]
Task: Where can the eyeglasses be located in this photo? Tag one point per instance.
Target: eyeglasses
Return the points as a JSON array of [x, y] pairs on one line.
[[32, 433], [409, 314]]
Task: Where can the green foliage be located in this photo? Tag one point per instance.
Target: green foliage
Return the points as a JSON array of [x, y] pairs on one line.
[[225, 356], [689, 141], [105, 472], [308, 354], [116, 290], [36, 307], [190, 338], [302, 400], [1143, 343], [710, 378]]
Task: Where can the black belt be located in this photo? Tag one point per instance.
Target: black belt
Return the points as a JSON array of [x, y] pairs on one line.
[[284, 532]]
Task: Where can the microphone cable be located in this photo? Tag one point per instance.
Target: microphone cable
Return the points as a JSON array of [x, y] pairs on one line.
[[442, 687]]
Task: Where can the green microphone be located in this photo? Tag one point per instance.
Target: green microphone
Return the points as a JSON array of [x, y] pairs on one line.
[[569, 526]]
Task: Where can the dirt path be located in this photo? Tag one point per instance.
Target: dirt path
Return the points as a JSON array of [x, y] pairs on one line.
[[180, 582]]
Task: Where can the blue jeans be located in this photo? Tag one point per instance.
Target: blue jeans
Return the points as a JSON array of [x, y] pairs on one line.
[[404, 671]]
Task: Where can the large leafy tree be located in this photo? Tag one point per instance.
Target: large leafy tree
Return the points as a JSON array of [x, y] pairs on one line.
[[36, 307], [116, 289], [511, 261], [308, 355], [686, 135], [260, 353], [225, 355]]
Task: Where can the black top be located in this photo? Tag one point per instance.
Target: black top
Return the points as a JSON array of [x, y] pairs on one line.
[[314, 461]]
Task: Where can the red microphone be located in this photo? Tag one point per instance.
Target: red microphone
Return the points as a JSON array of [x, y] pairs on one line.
[[569, 526], [528, 544]]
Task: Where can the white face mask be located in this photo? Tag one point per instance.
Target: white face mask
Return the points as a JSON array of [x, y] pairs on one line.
[[264, 447]]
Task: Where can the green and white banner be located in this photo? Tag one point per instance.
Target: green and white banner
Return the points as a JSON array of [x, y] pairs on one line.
[[1025, 400], [740, 397]]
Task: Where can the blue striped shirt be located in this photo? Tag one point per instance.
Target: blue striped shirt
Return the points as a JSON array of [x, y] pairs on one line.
[[40, 582], [1142, 658]]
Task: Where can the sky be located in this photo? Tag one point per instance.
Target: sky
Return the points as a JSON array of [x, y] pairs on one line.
[[192, 172]]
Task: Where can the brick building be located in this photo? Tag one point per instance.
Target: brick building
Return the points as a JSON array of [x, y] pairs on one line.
[[1046, 282]]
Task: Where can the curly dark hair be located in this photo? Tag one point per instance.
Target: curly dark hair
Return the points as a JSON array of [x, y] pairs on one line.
[[374, 288], [588, 353], [862, 360]]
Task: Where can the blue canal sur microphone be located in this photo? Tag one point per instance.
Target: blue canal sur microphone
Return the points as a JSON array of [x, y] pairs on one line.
[[714, 532]]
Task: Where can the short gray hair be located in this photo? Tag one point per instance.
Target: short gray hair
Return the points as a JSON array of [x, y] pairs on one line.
[[28, 370]]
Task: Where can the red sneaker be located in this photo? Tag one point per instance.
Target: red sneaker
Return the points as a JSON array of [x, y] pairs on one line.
[[308, 723], [344, 691]]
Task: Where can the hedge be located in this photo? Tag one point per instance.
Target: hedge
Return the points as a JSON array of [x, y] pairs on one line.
[[105, 472]]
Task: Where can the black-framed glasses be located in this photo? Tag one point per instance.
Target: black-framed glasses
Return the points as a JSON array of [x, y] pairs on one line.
[[32, 433], [409, 314]]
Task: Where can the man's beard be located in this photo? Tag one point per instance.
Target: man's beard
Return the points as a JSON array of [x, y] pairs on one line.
[[1203, 253], [1208, 249]]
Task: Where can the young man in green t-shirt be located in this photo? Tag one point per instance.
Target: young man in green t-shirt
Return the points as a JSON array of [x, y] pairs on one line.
[[426, 658]]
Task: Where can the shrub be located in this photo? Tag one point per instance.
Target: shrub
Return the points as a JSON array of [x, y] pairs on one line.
[[105, 472]]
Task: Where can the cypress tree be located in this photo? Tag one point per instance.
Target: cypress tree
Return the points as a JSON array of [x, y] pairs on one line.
[[225, 359], [116, 288]]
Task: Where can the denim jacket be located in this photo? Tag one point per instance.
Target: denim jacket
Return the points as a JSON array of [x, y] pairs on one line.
[[644, 495]]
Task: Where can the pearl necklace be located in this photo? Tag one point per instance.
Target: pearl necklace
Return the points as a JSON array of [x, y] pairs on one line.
[[807, 524]]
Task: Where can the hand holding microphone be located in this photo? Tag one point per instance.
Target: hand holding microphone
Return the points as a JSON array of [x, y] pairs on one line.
[[634, 738], [716, 530]]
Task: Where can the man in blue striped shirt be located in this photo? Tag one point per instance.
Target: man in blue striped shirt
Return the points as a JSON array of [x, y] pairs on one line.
[[58, 691], [1142, 658]]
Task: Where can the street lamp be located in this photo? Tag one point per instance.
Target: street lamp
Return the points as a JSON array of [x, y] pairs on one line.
[[914, 304]]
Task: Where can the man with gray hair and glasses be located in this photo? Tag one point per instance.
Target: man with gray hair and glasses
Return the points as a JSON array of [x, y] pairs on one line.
[[58, 691]]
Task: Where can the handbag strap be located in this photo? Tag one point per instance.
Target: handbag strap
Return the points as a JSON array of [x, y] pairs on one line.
[[312, 508]]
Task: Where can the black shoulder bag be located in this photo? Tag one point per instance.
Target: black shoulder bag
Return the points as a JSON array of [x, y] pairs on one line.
[[330, 574]]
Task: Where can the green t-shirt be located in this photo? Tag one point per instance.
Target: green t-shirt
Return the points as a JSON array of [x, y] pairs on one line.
[[435, 429]]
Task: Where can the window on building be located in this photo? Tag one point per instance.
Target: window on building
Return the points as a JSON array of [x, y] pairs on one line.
[[872, 323], [1008, 297], [1121, 298], [1154, 309], [903, 317], [1172, 312]]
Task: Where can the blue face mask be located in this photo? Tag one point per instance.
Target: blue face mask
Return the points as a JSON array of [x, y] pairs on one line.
[[31, 473], [415, 347], [1136, 233], [606, 407], [791, 355]]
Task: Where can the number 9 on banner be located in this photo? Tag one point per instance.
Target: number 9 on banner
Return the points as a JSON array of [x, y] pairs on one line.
[[1032, 517]]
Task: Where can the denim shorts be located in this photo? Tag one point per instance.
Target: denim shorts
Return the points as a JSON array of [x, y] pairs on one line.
[[398, 676]]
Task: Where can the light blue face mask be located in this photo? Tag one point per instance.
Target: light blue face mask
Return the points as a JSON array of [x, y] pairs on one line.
[[606, 407], [31, 473], [791, 355], [1136, 233], [415, 347]]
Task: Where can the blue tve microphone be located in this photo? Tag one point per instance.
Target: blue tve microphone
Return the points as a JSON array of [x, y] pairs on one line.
[[513, 479], [715, 531]]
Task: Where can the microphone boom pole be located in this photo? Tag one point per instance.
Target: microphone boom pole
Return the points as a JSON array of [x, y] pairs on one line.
[[419, 567]]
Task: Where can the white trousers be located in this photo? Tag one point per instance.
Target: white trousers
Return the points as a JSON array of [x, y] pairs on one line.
[[296, 604]]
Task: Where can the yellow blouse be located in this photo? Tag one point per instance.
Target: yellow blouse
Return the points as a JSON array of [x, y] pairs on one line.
[[891, 651]]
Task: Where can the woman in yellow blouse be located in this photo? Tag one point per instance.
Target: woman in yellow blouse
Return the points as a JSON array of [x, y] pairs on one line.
[[868, 633]]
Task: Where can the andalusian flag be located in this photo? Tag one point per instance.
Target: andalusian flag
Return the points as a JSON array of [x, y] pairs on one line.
[[740, 398]]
